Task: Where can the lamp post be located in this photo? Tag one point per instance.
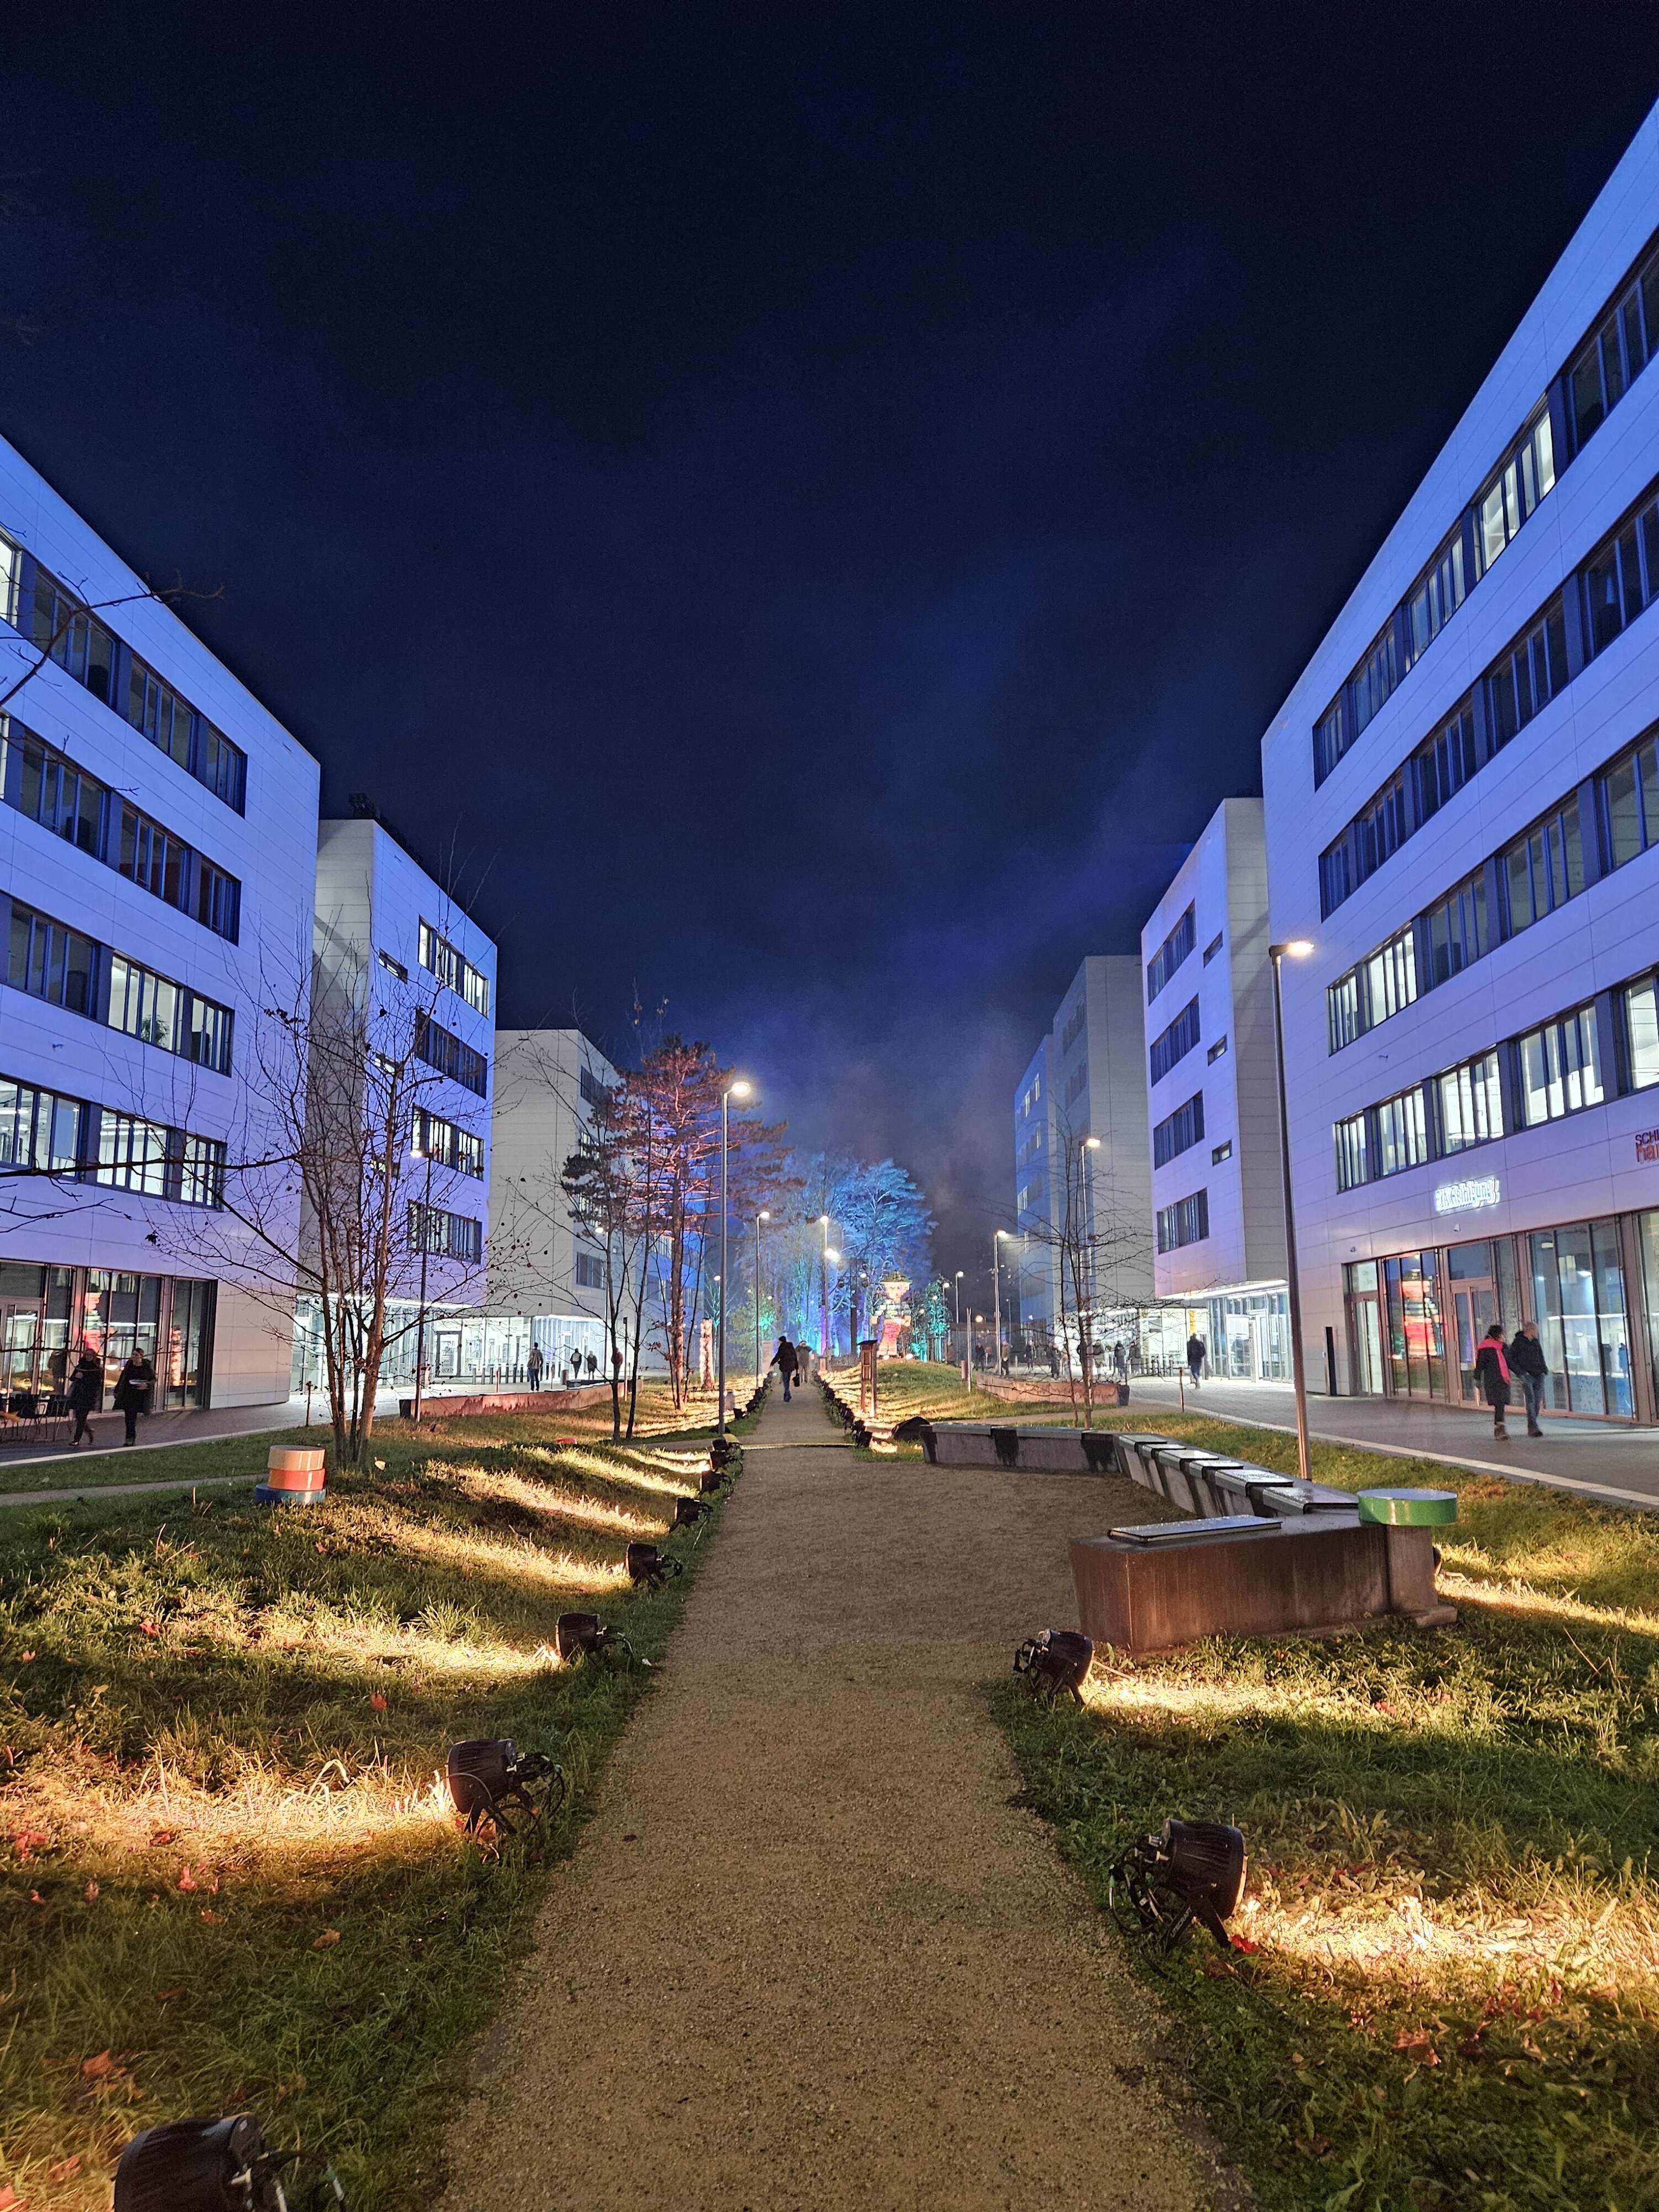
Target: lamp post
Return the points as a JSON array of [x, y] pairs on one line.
[[996, 1296], [823, 1291], [737, 1090], [956, 1287], [1085, 1207], [1298, 948], [762, 1216]]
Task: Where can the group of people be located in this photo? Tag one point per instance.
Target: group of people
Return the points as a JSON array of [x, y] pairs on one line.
[[791, 1363], [535, 1366], [133, 1387], [1498, 1367]]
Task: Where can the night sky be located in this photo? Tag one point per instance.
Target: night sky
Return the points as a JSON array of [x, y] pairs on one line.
[[810, 508]]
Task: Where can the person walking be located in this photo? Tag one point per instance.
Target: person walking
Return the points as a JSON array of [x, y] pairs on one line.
[[1196, 1351], [532, 1366], [1492, 1372], [1531, 1369], [85, 1389], [1121, 1360], [132, 1388], [788, 1363]]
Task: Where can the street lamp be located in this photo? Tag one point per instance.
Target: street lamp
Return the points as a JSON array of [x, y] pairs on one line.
[[739, 1089], [1086, 1202], [823, 1292], [956, 1287], [1298, 948], [759, 1370], [996, 1294]]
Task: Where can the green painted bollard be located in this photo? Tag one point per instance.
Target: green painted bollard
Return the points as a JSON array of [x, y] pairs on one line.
[[1408, 1509]]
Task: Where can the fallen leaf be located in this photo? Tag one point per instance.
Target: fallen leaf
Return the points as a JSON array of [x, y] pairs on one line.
[[148, 1628], [212, 1919], [379, 1702], [35, 1898], [1472, 2046], [1297, 2059], [163, 1836], [26, 1657], [1243, 1943], [94, 2067], [90, 1893], [1412, 2039], [186, 1878], [27, 1840], [166, 1994], [11, 2201], [1313, 2145], [327, 1940]]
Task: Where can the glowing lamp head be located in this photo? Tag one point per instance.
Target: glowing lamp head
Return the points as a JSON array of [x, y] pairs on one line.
[[830, 1254], [1091, 1143], [1056, 1661], [763, 1215], [740, 1089]]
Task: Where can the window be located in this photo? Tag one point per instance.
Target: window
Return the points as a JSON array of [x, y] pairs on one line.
[[1383, 983], [1216, 1051], [1621, 577], [1372, 682], [1073, 1029], [446, 1235], [1471, 1101], [1613, 354], [394, 967], [222, 765], [1171, 954], [46, 786], [156, 709], [132, 1153], [218, 900], [1381, 829], [439, 958], [1522, 480], [11, 577], [435, 1046], [447, 1143], [51, 962], [1526, 676], [210, 1035], [1630, 803], [159, 863], [1402, 1137], [1186, 1222], [39, 1129], [1177, 1041], [1212, 947], [1641, 1016], [201, 1172], [1353, 1168], [1027, 1194], [1560, 1068], [1222, 1151], [1435, 598], [1544, 868], [1444, 763], [1180, 1131], [145, 1005], [1076, 1084], [68, 632], [1456, 928], [590, 1272]]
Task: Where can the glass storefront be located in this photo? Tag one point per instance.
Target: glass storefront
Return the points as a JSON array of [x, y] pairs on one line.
[[47, 1314], [1416, 1338], [1578, 1300], [489, 1351]]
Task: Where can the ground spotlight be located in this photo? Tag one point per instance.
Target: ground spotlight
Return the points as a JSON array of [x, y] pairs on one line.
[[650, 1564], [487, 1773], [584, 1636], [1192, 1870], [688, 1512], [209, 2166], [722, 1452], [713, 1479], [1056, 1660]]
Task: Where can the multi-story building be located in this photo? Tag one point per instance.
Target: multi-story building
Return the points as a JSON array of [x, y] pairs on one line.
[[542, 1265], [1081, 1173], [1463, 804], [390, 942], [157, 859], [1213, 1105]]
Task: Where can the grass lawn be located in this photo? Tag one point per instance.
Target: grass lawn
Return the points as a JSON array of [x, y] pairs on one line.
[[905, 1387], [1454, 1998], [228, 1871]]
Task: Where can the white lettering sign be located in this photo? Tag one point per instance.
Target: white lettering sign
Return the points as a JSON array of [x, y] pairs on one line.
[[1464, 1197]]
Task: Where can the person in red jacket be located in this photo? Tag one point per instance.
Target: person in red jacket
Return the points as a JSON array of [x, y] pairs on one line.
[[1492, 1369]]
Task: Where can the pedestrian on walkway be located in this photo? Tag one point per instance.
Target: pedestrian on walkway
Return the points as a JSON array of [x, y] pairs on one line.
[[1492, 1372], [1121, 1360], [1531, 1369], [132, 1388], [532, 1366], [85, 1389], [786, 1362], [1196, 1351]]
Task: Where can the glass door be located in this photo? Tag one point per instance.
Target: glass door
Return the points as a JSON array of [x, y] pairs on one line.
[[20, 1351]]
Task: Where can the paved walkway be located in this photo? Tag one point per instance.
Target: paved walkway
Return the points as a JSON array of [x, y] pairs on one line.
[[1606, 1459], [807, 1957]]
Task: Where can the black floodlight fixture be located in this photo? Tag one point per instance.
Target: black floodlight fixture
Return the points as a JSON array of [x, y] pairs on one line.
[[488, 1773], [209, 2166], [585, 1636], [1056, 1661], [713, 1479], [650, 1564], [722, 1452], [688, 1512], [1191, 1870]]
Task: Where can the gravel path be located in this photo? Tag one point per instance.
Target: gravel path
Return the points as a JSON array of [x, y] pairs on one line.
[[807, 1954]]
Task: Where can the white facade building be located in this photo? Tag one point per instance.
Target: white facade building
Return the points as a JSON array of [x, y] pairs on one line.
[[1463, 804], [1213, 1103], [386, 929], [1085, 1082], [157, 859], [541, 1266]]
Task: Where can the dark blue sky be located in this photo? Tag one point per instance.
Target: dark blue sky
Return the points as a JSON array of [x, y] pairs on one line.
[[814, 505]]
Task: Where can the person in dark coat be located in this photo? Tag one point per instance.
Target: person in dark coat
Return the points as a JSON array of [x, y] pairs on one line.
[[1531, 1369], [86, 1388], [1196, 1351], [132, 1388], [786, 1360], [1491, 1371], [532, 1367]]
